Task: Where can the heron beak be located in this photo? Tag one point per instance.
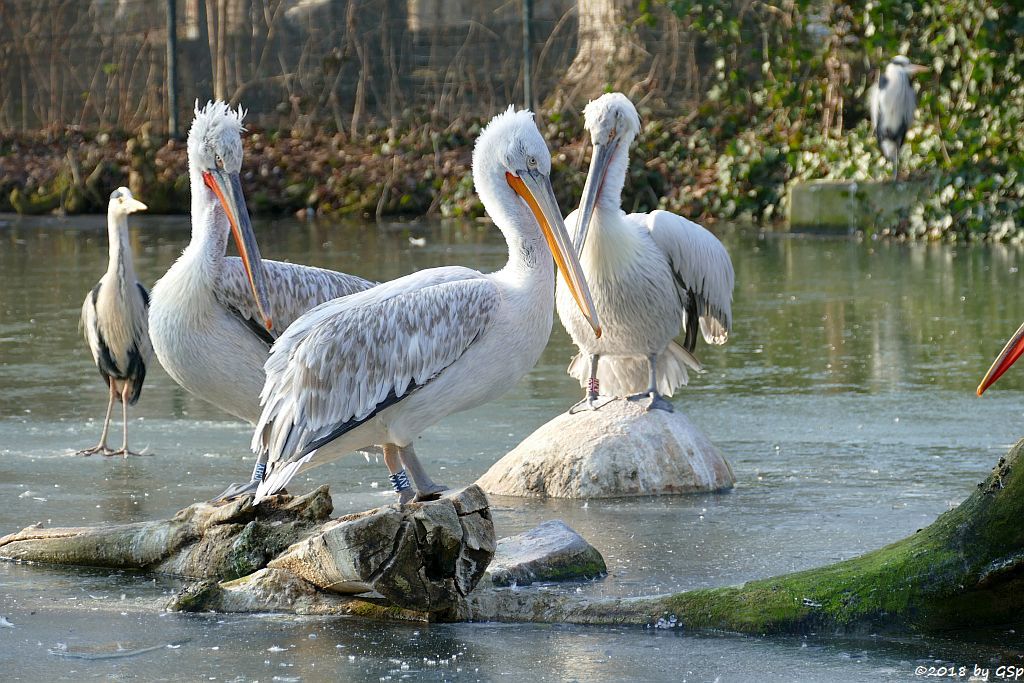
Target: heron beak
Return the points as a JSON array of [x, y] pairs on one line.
[[228, 189], [917, 68], [132, 205], [535, 189], [599, 162], [1007, 357]]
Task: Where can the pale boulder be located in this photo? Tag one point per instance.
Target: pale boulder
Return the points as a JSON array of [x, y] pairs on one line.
[[620, 450]]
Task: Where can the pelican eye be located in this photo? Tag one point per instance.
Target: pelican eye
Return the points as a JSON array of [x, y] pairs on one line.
[[532, 162], [220, 162]]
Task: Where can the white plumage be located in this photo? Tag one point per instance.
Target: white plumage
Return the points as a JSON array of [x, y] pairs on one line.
[[209, 317], [114, 320], [382, 365], [651, 275], [892, 104]]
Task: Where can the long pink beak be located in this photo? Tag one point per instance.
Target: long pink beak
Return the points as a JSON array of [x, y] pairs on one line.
[[1007, 357]]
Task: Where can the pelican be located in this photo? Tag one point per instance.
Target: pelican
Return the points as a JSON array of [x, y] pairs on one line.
[[1007, 357], [650, 274], [211, 316], [892, 103], [114, 321], [380, 366]]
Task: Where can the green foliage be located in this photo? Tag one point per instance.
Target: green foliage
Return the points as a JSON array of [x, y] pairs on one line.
[[763, 122]]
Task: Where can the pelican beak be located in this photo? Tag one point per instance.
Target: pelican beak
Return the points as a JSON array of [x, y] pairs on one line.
[[1007, 357], [602, 156], [535, 189], [228, 189], [132, 205]]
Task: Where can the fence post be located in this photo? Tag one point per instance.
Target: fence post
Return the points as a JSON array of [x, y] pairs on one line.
[[172, 70], [527, 42]]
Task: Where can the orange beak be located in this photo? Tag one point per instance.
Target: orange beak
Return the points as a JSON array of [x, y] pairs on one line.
[[535, 189], [1007, 357], [228, 190]]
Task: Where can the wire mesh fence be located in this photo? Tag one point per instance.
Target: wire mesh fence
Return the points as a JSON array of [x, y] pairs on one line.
[[102, 64]]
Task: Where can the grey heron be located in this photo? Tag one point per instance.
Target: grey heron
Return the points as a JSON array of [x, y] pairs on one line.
[[114, 319], [892, 103], [651, 275], [214, 317], [380, 366]]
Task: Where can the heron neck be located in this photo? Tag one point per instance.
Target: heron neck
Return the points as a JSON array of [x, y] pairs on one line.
[[118, 245]]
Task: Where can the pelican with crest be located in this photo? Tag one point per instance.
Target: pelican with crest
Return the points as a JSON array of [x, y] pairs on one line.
[[651, 274], [380, 366], [214, 317]]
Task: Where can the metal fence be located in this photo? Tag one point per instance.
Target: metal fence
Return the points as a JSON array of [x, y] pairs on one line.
[[102, 64]]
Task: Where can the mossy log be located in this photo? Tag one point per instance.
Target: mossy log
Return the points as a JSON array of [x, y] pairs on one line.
[[965, 570], [421, 556]]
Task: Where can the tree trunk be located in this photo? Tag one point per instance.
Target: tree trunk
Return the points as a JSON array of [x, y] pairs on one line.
[[420, 556], [608, 53]]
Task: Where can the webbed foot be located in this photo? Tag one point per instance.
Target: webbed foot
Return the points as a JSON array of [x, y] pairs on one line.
[[236, 491], [658, 402], [591, 403]]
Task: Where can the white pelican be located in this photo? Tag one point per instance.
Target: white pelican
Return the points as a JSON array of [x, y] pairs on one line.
[[650, 273], [210, 319], [892, 103], [380, 366], [115, 323]]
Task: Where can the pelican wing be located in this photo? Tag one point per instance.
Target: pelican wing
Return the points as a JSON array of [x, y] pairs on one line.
[[702, 268], [294, 289], [346, 360]]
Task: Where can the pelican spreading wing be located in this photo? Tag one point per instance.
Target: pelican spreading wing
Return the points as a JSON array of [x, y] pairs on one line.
[[652, 275]]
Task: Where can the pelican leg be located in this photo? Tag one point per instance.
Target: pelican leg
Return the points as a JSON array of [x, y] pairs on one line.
[[124, 422], [592, 399], [101, 447], [235, 490], [426, 488], [398, 477], [658, 402]]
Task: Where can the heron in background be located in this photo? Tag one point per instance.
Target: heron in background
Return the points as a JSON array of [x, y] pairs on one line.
[[651, 274], [380, 366], [214, 316], [115, 321], [892, 103]]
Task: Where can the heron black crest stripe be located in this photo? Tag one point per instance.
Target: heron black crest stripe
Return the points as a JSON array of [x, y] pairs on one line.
[[144, 292]]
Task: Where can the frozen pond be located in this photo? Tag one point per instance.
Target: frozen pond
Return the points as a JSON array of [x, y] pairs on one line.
[[844, 402]]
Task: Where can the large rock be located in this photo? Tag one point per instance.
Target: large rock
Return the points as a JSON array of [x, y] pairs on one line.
[[552, 551], [846, 206], [620, 450]]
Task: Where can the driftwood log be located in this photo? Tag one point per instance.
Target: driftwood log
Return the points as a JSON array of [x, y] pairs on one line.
[[422, 556], [965, 570]]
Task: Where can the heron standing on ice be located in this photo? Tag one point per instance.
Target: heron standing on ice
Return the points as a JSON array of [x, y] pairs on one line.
[[115, 322], [380, 366], [893, 103], [651, 274]]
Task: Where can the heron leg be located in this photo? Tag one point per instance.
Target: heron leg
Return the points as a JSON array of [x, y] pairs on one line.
[[592, 399], [124, 423], [426, 489], [101, 447], [896, 165], [658, 402]]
